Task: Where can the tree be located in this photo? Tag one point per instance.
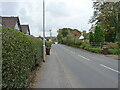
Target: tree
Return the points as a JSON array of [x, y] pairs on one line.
[[68, 35], [107, 15], [91, 37], [85, 35], [64, 32], [59, 37], [99, 36]]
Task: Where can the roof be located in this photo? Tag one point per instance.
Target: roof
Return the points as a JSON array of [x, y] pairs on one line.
[[25, 28], [10, 22]]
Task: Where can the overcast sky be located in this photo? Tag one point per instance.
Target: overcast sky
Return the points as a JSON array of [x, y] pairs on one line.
[[59, 14]]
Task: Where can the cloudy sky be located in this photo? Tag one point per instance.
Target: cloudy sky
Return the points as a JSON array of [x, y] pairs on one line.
[[59, 14]]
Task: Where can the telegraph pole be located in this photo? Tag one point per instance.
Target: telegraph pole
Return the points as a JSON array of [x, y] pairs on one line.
[[44, 49]]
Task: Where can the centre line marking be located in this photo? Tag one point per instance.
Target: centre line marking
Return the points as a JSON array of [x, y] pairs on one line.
[[84, 57], [109, 68]]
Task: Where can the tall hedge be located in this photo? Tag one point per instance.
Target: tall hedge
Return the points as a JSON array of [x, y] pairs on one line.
[[20, 53]]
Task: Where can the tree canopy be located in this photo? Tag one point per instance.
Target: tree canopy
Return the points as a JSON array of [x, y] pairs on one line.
[[107, 14]]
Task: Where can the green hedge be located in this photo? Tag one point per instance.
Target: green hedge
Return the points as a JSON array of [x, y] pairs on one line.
[[114, 51], [20, 54], [96, 50]]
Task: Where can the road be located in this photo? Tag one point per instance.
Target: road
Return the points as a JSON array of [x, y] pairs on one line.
[[69, 67]]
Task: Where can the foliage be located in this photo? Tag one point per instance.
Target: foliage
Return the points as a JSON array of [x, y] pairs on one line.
[[20, 54], [85, 35], [71, 38], [114, 51], [64, 32], [91, 37], [107, 15], [99, 50], [112, 46], [96, 50], [59, 37], [98, 35], [48, 44]]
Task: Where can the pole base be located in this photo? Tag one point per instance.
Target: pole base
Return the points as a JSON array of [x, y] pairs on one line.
[[43, 60]]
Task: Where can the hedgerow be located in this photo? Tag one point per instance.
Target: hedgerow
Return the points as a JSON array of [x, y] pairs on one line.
[[20, 54]]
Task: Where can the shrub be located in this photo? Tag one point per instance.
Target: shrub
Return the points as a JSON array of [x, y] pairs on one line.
[[96, 50], [114, 51], [78, 42], [48, 44], [20, 53], [81, 46], [112, 45]]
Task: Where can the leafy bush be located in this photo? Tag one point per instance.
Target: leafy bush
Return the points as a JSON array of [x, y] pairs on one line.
[[78, 42], [96, 50], [48, 44], [20, 53], [114, 51]]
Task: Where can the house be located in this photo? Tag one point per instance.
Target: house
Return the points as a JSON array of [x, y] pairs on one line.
[[25, 29], [81, 37], [11, 22], [0, 21], [75, 33]]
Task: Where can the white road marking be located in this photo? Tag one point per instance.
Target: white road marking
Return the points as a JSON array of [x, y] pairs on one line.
[[109, 68], [78, 55], [84, 57]]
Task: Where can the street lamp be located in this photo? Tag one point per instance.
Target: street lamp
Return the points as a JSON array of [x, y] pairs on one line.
[[50, 34], [44, 49]]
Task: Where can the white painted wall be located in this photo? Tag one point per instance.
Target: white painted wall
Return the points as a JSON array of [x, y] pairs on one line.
[[27, 33], [16, 27]]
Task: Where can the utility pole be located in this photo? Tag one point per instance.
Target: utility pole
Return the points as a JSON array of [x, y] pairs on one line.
[[50, 34], [44, 49]]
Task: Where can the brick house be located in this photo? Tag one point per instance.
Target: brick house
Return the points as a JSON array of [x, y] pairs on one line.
[[75, 33]]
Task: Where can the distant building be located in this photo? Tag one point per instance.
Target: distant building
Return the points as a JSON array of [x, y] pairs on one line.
[[81, 37], [11, 22], [25, 29], [76, 33], [47, 38]]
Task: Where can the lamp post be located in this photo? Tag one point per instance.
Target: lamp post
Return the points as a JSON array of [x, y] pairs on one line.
[[44, 49], [50, 34]]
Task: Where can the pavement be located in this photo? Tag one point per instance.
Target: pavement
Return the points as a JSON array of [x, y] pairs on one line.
[[69, 67], [115, 57]]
